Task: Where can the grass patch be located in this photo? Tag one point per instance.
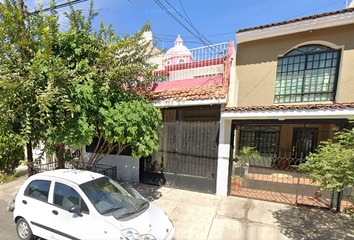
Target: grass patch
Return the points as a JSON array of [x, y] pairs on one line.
[[6, 178]]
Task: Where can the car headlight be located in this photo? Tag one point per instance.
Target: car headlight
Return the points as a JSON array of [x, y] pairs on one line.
[[132, 234], [147, 237]]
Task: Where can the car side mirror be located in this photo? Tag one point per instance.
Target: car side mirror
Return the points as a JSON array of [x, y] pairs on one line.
[[76, 209]]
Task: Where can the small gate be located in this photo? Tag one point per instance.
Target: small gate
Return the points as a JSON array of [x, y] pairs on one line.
[[278, 183], [265, 158], [187, 158]]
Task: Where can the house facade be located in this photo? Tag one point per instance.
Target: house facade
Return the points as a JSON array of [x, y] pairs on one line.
[[240, 124], [193, 89], [295, 88]]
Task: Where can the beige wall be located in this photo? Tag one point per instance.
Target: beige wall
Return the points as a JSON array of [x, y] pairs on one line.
[[256, 64]]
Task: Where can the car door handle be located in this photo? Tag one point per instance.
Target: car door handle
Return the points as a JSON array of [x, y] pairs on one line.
[[24, 201], [55, 212]]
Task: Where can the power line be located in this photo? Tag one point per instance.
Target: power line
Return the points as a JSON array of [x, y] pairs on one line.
[[170, 14], [190, 24], [185, 12], [59, 6]]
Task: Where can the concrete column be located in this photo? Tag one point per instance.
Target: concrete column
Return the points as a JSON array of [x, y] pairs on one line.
[[223, 158]]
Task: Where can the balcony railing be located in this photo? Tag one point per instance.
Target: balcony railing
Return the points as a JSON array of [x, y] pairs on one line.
[[201, 62]]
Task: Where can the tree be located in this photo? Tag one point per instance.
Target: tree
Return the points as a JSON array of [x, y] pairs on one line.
[[22, 36], [112, 77], [333, 163], [78, 85]]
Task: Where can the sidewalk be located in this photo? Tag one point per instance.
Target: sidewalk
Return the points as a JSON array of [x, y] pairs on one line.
[[8, 190], [207, 216]]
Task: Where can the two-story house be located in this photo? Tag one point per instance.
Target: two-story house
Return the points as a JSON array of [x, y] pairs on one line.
[[295, 88], [193, 89]]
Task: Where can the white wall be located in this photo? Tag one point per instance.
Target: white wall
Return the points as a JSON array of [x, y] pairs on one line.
[[127, 167], [197, 71], [223, 158], [36, 153]]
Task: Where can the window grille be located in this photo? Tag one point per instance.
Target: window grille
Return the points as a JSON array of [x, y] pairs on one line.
[[307, 74], [265, 139]]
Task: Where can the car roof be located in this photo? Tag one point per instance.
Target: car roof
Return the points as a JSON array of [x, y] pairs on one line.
[[73, 175]]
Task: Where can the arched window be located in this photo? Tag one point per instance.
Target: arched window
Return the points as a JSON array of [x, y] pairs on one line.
[[181, 60], [168, 62], [307, 74]]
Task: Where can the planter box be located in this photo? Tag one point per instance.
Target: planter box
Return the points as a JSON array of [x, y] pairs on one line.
[[260, 162], [236, 184]]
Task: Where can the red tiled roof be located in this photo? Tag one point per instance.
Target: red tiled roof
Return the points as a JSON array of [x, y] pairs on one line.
[[297, 20], [192, 93], [290, 107]]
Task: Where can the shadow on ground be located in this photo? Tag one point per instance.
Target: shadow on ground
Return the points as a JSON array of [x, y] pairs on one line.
[[150, 192], [302, 223]]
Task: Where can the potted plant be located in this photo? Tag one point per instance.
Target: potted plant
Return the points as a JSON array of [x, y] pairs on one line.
[[245, 157]]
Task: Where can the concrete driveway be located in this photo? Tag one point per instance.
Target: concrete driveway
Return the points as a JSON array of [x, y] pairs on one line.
[[207, 216]]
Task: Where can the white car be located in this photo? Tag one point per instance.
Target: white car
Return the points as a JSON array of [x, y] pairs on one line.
[[76, 204]]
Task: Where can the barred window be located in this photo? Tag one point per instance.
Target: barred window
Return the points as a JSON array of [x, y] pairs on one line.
[[265, 139], [307, 74]]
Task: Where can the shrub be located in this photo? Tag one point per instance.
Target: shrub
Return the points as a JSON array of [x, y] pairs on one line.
[[11, 153]]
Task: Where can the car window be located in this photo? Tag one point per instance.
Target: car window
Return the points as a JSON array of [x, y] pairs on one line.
[[67, 197], [38, 189], [109, 198]]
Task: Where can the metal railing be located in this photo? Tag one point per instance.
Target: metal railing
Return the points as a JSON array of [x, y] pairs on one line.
[[107, 170], [278, 179], [194, 63]]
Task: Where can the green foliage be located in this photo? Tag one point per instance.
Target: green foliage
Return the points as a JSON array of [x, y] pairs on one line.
[[248, 151], [66, 88], [11, 153], [22, 38], [333, 164], [245, 155], [111, 77], [6, 178]]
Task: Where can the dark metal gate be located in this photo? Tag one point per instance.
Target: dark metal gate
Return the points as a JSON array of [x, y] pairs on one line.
[[268, 169], [187, 158]]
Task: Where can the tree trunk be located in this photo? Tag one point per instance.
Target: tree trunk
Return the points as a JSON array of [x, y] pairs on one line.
[[29, 158], [59, 155]]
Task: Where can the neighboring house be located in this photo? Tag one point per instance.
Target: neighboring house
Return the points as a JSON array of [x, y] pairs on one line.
[[193, 89], [295, 89]]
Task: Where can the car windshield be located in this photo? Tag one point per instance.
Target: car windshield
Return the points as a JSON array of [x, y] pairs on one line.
[[109, 198]]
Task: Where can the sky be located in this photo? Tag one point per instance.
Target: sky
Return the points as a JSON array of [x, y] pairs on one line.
[[199, 22]]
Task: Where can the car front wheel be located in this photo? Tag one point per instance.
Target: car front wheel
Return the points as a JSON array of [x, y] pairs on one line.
[[24, 231]]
